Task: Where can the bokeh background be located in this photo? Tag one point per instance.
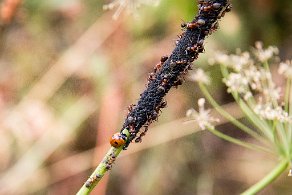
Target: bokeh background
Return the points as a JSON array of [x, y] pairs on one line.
[[68, 72]]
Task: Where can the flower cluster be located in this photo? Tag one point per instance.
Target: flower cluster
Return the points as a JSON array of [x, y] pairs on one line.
[[249, 80], [286, 69], [203, 117], [263, 55], [270, 112], [249, 76], [200, 76], [236, 62]]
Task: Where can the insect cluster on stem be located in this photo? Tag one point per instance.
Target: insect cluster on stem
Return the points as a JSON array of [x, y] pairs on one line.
[[170, 71]]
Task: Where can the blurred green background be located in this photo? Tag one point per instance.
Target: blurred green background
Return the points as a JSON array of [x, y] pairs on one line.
[[68, 72]]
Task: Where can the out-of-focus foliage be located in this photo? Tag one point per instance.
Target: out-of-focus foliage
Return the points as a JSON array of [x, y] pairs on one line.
[[68, 73]]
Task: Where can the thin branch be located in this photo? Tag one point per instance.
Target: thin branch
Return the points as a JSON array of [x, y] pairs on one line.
[[274, 174]]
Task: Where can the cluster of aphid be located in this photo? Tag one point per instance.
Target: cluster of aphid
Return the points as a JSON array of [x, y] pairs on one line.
[[170, 71], [153, 117], [156, 69], [108, 163], [91, 180]]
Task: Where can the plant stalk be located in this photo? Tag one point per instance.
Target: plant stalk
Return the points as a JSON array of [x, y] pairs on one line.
[[102, 168], [274, 174]]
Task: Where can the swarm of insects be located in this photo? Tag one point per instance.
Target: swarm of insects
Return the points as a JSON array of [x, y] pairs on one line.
[[170, 71]]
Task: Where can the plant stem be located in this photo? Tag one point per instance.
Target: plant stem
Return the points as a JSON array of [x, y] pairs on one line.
[[102, 168], [237, 141], [227, 115], [166, 75], [276, 172]]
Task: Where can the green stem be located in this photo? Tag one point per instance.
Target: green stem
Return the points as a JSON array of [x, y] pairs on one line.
[[237, 141], [227, 115], [287, 94], [289, 104], [101, 169], [276, 172]]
